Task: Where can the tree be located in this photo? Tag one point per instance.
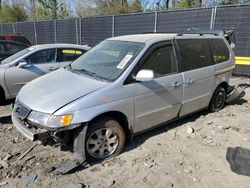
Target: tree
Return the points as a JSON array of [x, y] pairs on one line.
[[51, 9], [136, 6], [12, 13], [107, 7]]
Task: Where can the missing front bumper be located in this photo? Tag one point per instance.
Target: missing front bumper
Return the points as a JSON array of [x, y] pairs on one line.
[[29, 133]]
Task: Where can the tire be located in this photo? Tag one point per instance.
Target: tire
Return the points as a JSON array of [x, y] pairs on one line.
[[2, 96], [218, 100], [105, 138]]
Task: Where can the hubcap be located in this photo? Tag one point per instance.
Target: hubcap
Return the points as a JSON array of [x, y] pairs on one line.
[[219, 101], [102, 143]]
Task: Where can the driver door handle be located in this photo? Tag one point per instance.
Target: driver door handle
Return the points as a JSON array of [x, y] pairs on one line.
[[176, 84]]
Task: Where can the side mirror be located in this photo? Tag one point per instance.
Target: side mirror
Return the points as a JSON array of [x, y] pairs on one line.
[[144, 75], [22, 64]]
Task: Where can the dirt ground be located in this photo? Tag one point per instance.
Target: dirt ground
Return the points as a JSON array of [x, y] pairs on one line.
[[169, 156]]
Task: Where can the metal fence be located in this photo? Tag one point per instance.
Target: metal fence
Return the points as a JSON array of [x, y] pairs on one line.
[[91, 31]]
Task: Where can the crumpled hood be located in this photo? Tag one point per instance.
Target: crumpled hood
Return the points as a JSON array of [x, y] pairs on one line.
[[52, 91]]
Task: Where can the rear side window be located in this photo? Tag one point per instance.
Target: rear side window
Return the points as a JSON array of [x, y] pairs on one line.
[[162, 61], [194, 54], [66, 54], [219, 50]]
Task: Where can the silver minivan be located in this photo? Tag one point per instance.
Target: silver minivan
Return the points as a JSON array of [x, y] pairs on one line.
[[124, 86]]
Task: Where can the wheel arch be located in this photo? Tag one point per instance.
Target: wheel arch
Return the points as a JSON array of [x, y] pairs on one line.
[[118, 116], [224, 85]]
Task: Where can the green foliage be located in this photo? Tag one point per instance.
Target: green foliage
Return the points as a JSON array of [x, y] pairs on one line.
[[51, 9], [136, 6], [108, 7], [183, 4], [12, 13]]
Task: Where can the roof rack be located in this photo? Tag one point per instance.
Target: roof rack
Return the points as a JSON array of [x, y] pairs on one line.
[[229, 34], [201, 32]]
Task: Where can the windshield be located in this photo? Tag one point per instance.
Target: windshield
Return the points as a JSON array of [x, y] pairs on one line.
[[107, 60], [15, 56]]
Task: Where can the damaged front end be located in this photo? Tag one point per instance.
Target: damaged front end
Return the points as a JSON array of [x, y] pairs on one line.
[[64, 135]]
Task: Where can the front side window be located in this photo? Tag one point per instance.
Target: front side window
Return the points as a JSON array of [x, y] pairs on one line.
[[194, 53], [162, 61], [43, 56], [108, 60], [16, 56], [219, 50]]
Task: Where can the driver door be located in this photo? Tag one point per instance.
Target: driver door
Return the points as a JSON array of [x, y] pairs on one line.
[[159, 100], [38, 64]]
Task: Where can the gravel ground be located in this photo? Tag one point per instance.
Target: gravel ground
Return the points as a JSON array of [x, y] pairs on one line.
[[169, 156]]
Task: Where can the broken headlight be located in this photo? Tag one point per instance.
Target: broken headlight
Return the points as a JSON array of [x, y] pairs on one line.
[[50, 120]]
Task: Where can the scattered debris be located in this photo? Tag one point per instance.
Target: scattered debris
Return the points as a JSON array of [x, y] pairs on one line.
[[78, 185], [187, 171], [190, 130], [26, 152], [30, 178], [4, 164], [239, 160], [210, 122], [7, 157], [220, 129], [196, 179], [226, 127], [3, 183], [67, 166]]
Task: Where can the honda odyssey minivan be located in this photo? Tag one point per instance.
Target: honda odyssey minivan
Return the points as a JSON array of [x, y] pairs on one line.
[[124, 86]]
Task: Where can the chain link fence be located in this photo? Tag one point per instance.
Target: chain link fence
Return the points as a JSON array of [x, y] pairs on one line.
[[90, 31]]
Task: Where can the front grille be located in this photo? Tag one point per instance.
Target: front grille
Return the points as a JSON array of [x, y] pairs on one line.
[[21, 110]]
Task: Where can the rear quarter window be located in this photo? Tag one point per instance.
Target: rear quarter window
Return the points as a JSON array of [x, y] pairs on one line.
[[219, 50], [194, 54]]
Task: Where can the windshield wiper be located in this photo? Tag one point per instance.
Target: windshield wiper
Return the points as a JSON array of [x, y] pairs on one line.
[[89, 73]]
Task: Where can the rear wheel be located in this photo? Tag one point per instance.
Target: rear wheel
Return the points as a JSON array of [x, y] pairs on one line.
[[218, 99]]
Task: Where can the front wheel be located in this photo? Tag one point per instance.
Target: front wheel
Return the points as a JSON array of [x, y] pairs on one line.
[[218, 100], [105, 138]]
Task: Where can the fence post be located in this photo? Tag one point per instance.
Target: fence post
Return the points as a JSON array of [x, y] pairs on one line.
[[212, 17], [77, 40], [2, 28], [156, 20], [35, 32], [13, 28], [215, 14], [80, 32], [55, 31], [113, 25]]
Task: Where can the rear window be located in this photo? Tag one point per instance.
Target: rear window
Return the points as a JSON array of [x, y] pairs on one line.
[[219, 50], [194, 54]]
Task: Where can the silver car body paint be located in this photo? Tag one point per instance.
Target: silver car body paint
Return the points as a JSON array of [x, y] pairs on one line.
[[145, 104]]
